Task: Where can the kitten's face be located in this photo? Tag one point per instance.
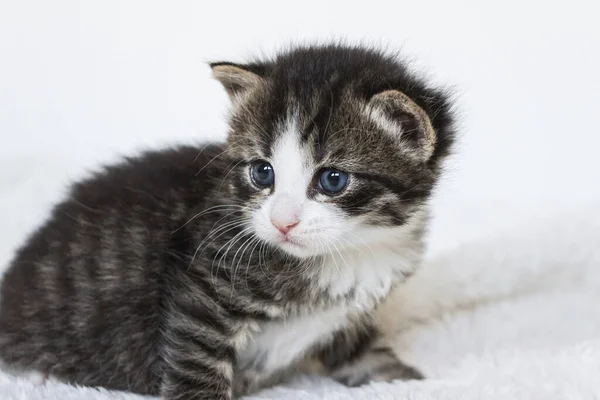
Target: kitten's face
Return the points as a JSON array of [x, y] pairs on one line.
[[319, 189], [325, 167], [300, 211]]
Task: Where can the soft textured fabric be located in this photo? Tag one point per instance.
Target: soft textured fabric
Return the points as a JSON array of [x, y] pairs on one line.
[[514, 315]]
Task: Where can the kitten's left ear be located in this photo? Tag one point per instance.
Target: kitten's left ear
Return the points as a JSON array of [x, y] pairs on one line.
[[235, 78], [401, 117]]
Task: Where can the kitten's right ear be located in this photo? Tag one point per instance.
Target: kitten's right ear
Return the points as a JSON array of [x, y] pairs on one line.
[[236, 79]]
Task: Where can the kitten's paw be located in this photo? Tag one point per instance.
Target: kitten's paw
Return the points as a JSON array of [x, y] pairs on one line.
[[377, 365], [35, 377]]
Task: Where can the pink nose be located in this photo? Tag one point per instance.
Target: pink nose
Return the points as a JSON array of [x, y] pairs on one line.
[[285, 226]]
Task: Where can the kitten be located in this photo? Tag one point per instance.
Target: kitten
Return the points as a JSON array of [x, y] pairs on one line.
[[210, 272]]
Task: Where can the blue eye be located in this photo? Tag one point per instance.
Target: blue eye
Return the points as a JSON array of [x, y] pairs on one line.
[[333, 181], [262, 174]]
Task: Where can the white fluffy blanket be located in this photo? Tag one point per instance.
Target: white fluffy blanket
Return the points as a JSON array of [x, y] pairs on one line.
[[510, 316]]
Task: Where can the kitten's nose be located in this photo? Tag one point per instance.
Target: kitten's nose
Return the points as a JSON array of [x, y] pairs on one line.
[[285, 213], [284, 226]]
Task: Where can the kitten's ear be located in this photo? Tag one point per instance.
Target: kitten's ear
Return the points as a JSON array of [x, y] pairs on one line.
[[235, 78], [400, 116]]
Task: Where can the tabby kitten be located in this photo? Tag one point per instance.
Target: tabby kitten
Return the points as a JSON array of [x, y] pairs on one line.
[[210, 272]]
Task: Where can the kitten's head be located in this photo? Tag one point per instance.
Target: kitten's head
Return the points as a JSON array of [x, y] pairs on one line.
[[332, 146]]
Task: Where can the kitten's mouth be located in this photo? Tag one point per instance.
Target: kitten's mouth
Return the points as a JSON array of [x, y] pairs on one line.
[[290, 241]]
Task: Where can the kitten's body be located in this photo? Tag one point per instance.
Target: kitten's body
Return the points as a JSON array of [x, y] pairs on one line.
[[163, 274]]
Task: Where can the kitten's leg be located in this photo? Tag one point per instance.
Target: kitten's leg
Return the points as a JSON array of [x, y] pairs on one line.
[[198, 354], [360, 355]]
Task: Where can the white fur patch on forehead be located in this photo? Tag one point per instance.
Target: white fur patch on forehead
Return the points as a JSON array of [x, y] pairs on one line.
[[292, 162]]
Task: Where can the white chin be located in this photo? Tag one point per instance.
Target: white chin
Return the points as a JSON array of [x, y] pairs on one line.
[[297, 250]]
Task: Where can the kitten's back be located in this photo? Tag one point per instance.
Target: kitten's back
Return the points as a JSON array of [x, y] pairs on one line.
[[82, 298]]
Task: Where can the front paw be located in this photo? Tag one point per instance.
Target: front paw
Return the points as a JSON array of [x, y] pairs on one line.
[[376, 365], [190, 388]]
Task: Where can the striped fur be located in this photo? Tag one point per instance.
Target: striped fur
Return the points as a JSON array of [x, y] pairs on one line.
[[164, 275]]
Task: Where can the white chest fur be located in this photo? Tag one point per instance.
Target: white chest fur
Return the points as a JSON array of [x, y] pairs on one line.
[[368, 274], [280, 343], [277, 344]]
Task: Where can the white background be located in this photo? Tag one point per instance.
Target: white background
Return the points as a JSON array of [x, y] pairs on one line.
[[83, 81]]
